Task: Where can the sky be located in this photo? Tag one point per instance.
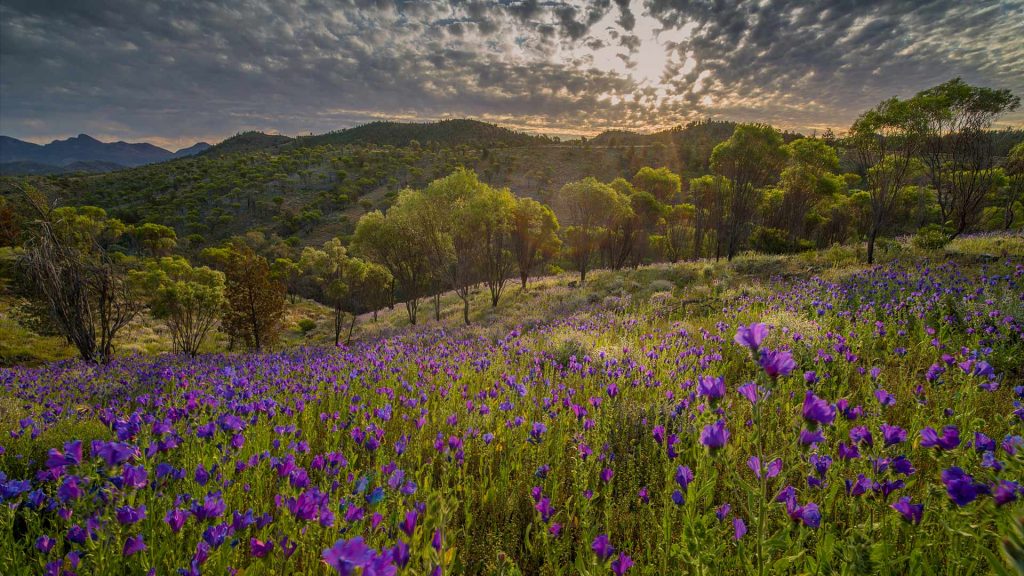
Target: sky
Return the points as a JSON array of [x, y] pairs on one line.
[[174, 73]]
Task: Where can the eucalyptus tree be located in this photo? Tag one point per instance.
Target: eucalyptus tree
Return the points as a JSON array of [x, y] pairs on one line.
[[885, 142], [751, 158], [957, 147]]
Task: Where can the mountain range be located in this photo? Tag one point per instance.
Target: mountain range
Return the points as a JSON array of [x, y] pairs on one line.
[[82, 153]]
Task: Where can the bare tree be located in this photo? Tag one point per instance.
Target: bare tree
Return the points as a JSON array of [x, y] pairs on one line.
[[84, 287]]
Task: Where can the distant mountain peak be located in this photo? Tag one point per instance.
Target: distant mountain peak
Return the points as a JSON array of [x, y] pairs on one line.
[[85, 152]]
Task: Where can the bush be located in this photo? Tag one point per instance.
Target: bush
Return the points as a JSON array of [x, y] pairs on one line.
[[932, 237], [306, 326], [660, 286], [569, 349], [770, 241]]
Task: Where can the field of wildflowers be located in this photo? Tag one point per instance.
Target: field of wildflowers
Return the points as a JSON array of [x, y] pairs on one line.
[[868, 423]]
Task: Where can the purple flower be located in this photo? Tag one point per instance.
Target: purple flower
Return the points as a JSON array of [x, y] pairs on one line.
[[126, 515], [961, 487], [817, 411], [621, 564], [44, 544], [861, 435], [684, 476], [714, 436], [983, 443], [348, 555], [536, 431], [545, 508], [175, 518], [606, 475], [711, 387], [71, 456], [602, 547], [777, 363], [884, 398], [408, 524], [810, 437], [749, 391], [772, 470], [949, 440], [259, 548], [911, 512], [133, 545], [1005, 492], [739, 528], [751, 336], [134, 477], [893, 434]]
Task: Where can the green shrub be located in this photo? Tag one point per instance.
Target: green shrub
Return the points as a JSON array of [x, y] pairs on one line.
[[25, 456], [306, 325], [932, 237]]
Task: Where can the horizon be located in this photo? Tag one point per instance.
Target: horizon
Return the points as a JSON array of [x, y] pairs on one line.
[[172, 77]]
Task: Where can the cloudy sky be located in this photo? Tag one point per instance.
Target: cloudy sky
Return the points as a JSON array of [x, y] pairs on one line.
[[174, 72]]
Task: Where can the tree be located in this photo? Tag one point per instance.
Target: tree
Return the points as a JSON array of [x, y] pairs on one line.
[[751, 158], [490, 223], [809, 176], [957, 146], [391, 241], [534, 235], [289, 273], [1014, 190], [589, 208], [661, 182], [709, 194], [188, 299], [155, 240], [255, 301], [368, 286], [71, 269], [328, 267], [885, 142], [674, 225]]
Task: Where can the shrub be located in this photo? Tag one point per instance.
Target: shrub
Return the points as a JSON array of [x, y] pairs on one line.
[[306, 326], [932, 237]]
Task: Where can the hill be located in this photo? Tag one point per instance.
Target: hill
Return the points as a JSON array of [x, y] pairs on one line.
[[458, 132], [19, 156]]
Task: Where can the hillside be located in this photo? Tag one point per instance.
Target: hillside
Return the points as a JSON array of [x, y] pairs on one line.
[[445, 133], [291, 188]]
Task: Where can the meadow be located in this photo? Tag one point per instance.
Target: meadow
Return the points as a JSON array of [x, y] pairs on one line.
[[775, 415]]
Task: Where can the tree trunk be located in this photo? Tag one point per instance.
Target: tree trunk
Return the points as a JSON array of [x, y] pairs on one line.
[[523, 275], [465, 310], [871, 244], [437, 307], [351, 327]]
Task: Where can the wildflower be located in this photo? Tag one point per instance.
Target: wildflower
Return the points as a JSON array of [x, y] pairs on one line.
[[949, 440], [893, 434], [711, 387], [602, 547], [126, 515], [621, 564], [133, 545], [777, 363], [739, 528], [817, 411], [911, 512], [71, 456], [961, 487], [714, 436], [683, 476], [751, 336], [749, 391], [348, 555], [259, 548]]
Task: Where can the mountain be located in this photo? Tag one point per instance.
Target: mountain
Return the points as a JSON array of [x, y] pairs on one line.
[[245, 142], [61, 154], [446, 133], [192, 150]]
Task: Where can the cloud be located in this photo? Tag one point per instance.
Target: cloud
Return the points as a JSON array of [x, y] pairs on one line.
[[173, 73]]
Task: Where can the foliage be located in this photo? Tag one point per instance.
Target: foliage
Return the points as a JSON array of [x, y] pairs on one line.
[[255, 301], [188, 299]]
